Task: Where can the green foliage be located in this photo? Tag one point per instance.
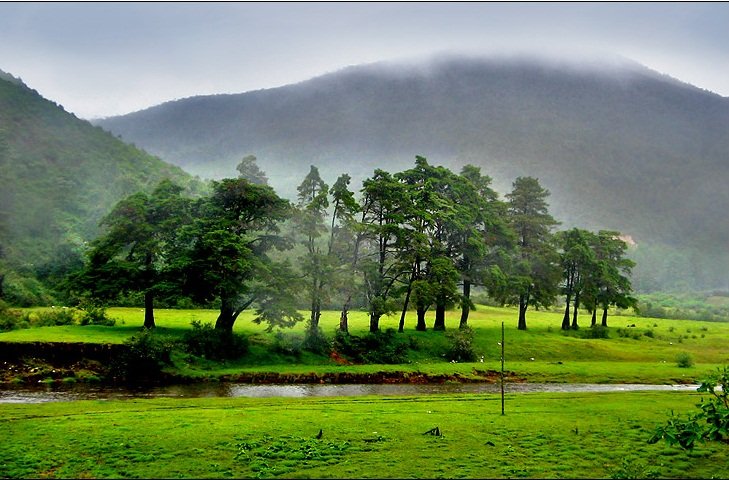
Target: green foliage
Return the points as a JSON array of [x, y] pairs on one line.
[[94, 313], [710, 424], [215, 344], [316, 342], [288, 344], [460, 345], [684, 360], [11, 319], [143, 358], [56, 316], [632, 468], [595, 332], [386, 347]]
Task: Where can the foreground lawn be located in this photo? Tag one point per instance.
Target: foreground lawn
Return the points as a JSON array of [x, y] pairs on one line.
[[595, 435]]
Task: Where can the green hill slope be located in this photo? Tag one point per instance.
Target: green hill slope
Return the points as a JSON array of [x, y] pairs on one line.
[[59, 175]]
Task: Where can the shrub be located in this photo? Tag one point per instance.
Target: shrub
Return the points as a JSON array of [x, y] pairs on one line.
[[52, 318], [143, 358], [684, 360], [316, 342], [289, 344], [95, 314], [649, 333], [460, 348], [208, 342], [595, 331], [380, 347], [11, 319]]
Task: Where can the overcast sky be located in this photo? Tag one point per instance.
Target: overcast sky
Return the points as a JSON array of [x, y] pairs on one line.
[[100, 59]]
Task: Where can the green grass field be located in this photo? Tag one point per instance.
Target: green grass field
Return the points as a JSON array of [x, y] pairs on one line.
[[599, 435], [557, 357]]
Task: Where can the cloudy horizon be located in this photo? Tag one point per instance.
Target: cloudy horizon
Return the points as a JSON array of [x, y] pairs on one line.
[[105, 59]]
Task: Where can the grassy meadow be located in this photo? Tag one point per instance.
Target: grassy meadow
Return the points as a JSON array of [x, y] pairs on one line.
[[646, 353], [597, 435]]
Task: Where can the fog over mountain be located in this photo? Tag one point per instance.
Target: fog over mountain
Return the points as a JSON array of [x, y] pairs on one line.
[[618, 145]]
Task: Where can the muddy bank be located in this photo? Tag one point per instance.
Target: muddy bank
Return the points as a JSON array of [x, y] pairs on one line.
[[57, 362]]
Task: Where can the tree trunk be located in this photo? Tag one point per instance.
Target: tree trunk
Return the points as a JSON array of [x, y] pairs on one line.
[[439, 323], [148, 310], [523, 304], [421, 326], [604, 317], [401, 326], [374, 323], [227, 316], [344, 319], [566, 318], [465, 304], [574, 312], [593, 322]]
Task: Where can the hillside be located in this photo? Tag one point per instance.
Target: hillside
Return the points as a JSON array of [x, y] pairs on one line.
[[618, 145], [59, 175]]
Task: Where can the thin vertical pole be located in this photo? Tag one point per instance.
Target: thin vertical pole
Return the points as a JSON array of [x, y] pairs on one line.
[[502, 368]]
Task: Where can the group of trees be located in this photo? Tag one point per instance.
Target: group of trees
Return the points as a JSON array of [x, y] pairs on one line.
[[418, 239]]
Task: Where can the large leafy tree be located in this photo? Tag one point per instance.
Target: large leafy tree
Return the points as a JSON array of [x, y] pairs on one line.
[[313, 196], [382, 218], [534, 270], [609, 284], [478, 235], [344, 241], [135, 251], [578, 263], [225, 254]]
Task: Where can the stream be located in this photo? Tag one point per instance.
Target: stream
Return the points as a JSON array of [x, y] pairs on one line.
[[63, 393]]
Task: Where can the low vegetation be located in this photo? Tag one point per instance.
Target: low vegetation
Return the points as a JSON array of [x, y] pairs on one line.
[[599, 435]]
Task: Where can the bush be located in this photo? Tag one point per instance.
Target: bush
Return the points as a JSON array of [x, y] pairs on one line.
[[208, 342], [684, 360], [380, 347], [95, 314], [596, 331], [11, 319], [144, 357], [460, 348], [316, 342], [52, 318], [289, 344], [649, 333]]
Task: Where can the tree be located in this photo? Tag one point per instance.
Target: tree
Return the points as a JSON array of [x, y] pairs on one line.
[[311, 210], [248, 170], [134, 253], [382, 217], [534, 271], [478, 234], [578, 263], [610, 283], [225, 254], [344, 240]]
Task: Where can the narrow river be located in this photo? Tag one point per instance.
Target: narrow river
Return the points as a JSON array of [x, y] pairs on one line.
[[60, 393]]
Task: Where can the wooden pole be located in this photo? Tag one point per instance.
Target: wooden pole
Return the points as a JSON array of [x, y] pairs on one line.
[[502, 368]]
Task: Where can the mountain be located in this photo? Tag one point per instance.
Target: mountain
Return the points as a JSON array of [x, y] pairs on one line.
[[59, 175], [618, 145]]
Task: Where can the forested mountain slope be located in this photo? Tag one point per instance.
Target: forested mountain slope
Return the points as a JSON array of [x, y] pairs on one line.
[[618, 145], [59, 175]]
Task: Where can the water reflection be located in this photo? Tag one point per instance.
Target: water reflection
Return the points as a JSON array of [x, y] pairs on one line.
[[57, 393]]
